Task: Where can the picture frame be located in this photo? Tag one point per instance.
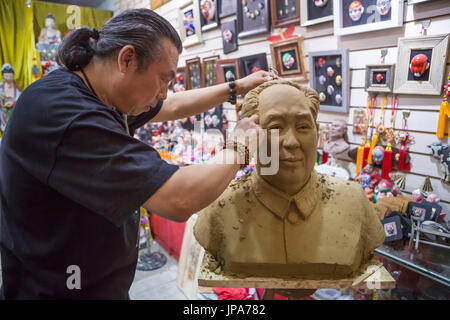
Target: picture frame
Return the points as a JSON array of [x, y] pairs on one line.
[[189, 23], [289, 59], [421, 211], [194, 75], [224, 66], [324, 69], [229, 36], [253, 20], [315, 14], [252, 63], [429, 82], [179, 83], [209, 70], [379, 78], [392, 227], [209, 16], [284, 13], [227, 8], [356, 16]]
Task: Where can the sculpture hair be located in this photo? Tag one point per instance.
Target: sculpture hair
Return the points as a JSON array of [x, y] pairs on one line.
[[251, 101]]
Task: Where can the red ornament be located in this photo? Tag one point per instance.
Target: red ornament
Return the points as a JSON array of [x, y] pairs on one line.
[[321, 62], [379, 77], [419, 64]]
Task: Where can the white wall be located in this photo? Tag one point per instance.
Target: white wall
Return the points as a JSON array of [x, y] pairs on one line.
[[364, 49]]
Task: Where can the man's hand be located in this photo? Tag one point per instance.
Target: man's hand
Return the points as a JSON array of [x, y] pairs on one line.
[[250, 82]]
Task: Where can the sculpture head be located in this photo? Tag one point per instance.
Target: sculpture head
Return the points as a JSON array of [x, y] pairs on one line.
[[292, 109], [50, 21], [339, 130], [8, 73]]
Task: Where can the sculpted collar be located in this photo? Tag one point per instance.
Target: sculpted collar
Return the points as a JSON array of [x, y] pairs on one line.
[[278, 202]]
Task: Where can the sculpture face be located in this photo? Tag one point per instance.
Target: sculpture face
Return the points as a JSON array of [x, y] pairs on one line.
[[383, 7], [8, 77], [338, 129], [286, 108], [355, 10], [50, 23]]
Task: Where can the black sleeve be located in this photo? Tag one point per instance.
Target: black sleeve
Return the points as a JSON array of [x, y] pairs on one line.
[[135, 122], [102, 168]]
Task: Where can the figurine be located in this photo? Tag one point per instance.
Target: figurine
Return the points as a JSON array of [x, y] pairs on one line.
[[49, 34], [379, 77], [417, 196], [9, 93], [384, 189], [321, 62], [338, 62], [355, 10], [419, 64], [320, 3], [383, 7], [433, 198], [442, 152], [337, 143], [188, 21], [368, 177]]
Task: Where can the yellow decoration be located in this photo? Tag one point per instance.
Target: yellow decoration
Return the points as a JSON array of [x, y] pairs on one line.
[[444, 115]]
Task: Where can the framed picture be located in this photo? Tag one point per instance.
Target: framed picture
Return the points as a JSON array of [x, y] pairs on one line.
[[253, 17], [422, 211], [355, 16], [284, 12], [212, 118], [314, 12], [358, 119], [435, 211], [253, 63], [229, 37], [392, 228], [227, 8], [210, 71], [379, 78], [288, 58], [194, 76], [209, 17], [179, 83], [189, 22], [155, 4], [226, 69], [421, 64], [329, 76]]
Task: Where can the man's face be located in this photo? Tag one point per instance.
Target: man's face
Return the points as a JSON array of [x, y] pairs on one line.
[[338, 129], [286, 108], [134, 92]]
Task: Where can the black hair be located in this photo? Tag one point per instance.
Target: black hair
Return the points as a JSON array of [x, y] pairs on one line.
[[142, 28]]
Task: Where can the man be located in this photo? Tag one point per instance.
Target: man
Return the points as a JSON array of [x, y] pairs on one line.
[[295, 222], [338, 145]]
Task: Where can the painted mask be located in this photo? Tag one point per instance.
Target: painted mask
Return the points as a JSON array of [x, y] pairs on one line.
[[208, 9], [227, 35], [320, 3], [330, 71], [419, 64], [322, 79], [338, 98], [330, 90], [288, 60], [379, 77], [355, 10], [383, 7], [321, 62], [338, 80], [322, 97]]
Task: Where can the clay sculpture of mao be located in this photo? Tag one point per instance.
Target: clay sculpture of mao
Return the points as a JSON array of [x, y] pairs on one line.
[[295, 223]]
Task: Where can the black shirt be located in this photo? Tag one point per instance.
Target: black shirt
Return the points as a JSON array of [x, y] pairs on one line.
[[72, 181]]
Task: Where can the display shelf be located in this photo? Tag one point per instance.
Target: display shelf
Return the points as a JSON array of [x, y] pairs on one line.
[[430, 261]]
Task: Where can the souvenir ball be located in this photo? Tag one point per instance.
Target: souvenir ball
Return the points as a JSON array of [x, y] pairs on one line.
[[383, 7], [338, 98], [320, 3], [338, 80], [419, 64], [288, 60], [379, 77], [330, 71], [208, 9], [227, 35], [378, 154], [322, 97], [321, 62], [322, 79], [330, 90], [229, 75], [355, 10]]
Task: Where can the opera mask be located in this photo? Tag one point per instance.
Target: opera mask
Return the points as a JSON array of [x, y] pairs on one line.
[[355, 10], [419, 64]]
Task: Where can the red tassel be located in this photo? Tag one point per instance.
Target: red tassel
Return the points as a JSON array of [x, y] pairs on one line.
[[387, 163], [402, 166], [366, 154], [324, 157]]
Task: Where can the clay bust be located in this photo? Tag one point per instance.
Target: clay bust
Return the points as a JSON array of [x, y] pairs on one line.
[[296, 222], [337, 144]]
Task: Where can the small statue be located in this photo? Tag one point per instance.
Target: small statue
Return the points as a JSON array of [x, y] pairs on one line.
[[50, 34], [9, 93], [433, 198], [368, 177], [384, 189], [417, 196], [337, 144]]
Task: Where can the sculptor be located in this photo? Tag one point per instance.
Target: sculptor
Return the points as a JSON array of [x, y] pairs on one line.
[[296, 222]]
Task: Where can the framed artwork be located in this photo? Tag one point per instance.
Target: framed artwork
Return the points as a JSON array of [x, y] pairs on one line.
[[210, 71], [155, 4], [284, 12], [421, 64], [355, 16], [358, 120], [253, 63], [392, 228], [226, 69], [212, 119], [194, 76], [329, 76], [288, 58], [420, 211], [229, 37], [189, 23], [179, 83], [379, 78], [315, 11], [227, 8], [253, 17], [209, 17]]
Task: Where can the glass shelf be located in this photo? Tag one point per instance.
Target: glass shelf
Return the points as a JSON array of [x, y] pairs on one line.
[[430, 261]]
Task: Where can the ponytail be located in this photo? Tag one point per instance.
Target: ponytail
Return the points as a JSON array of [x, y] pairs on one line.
[[78, 48]]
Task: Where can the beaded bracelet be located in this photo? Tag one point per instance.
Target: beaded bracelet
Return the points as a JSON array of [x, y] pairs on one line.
[[232, 91]]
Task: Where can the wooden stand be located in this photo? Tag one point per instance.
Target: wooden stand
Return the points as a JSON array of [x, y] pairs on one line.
[[372, 276]]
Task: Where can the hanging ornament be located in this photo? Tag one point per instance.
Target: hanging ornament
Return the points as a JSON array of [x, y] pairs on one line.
[[444, 112], [377, 155], [404, 138], [379, 129], [426, 186], [360, 163]]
